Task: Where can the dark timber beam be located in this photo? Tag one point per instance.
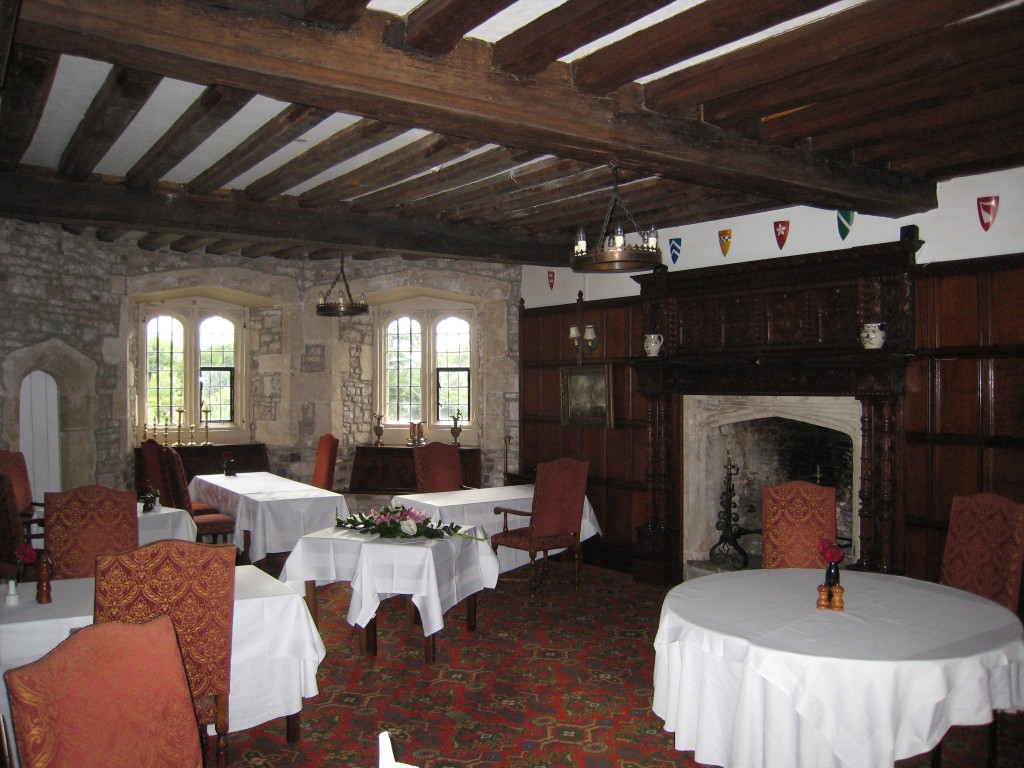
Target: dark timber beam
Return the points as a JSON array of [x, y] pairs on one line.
[[8, 21], [355, 72], [37, 197], [30, 79]]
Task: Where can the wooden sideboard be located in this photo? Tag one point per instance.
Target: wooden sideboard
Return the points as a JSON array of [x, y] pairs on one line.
[[209, 459], [390, 469]]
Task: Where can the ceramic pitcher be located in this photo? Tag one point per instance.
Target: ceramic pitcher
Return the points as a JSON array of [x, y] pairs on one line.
[[652, 344], [872, 335]]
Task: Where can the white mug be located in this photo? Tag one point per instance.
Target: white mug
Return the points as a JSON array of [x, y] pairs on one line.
[[872, 335], [652, 344]]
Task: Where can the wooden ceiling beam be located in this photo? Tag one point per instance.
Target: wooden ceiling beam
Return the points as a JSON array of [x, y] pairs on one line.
[[191, 243], [30, 77], [171, 209], [881, 138], [8, 20], [282, 129], [437, 26], [694, 31], [480, 166], [355, 72], [154, 241], [421, 155], [338, 13], [494, 187], [220, 247], [952, 150], [899, 98], [350, 141], [564, 29], [849, 32], [111, 111], [947, 46], [214, 107]]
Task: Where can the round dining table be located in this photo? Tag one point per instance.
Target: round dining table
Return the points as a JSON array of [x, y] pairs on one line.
[[749, 673]]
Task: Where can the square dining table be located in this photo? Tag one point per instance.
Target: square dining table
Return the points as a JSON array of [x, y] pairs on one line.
[[749, 673], [437, 573], [276, 648], [271, 512], [475, 506], [165, 523]]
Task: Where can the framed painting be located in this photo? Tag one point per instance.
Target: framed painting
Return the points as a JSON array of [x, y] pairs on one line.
[[587, 396]]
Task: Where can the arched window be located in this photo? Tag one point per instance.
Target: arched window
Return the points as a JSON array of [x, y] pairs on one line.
[[190, 368], [426, 359]]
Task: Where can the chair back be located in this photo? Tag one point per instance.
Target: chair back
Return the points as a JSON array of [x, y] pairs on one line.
[[796, 516], [558, 497], [111, 694], [177, 481], [12, 530], [984, 551], [85, 522], [438, 467], [326, 459], [12, 464], [154, 468]]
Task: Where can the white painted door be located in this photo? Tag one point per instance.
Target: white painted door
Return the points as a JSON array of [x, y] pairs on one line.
[[40, 432]]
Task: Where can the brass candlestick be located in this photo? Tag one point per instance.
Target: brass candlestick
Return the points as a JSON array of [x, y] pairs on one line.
[[191, 434], [167, 425], [206, 420], [181, 412]]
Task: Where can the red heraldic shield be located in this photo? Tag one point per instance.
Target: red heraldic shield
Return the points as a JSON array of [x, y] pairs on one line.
[[551, 279], [988, 207], [781, 233]]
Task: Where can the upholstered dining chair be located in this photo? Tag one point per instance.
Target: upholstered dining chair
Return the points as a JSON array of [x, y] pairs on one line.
[[212, 525], [111, 694], [556, 515], [438, 467], [12, 529], [194, 584], [326, 459], [12, 464], [84, 522], [984, 555], [154, 469], [796, 516]]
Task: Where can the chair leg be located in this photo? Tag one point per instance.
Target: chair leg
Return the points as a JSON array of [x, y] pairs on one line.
[[576, 579], [293, 727], [993, 739], [533, 572], [937, 756], [222, 730]]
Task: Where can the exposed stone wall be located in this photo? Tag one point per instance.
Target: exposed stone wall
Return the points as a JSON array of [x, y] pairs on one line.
[[70, 307]]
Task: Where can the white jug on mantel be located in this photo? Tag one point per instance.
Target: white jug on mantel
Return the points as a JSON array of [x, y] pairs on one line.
[[652, 344]]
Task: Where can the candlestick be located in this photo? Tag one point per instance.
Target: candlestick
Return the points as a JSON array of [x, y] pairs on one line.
[[206, 420], [167, 425], [181, 412], [191, 434]]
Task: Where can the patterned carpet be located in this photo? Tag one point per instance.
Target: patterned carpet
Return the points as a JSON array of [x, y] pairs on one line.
[[557, 681]]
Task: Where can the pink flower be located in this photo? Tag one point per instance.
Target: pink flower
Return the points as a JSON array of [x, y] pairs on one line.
[[416, 515], [823, 544], [833, 554], [25, 554]]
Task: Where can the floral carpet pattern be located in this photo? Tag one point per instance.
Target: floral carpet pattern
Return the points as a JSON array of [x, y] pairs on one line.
[[558, 680]]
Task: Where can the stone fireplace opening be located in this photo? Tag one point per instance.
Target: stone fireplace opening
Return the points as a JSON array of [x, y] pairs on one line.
[[766, 440]]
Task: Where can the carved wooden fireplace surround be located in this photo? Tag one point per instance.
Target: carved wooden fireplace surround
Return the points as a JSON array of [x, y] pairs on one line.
[[781, 327]]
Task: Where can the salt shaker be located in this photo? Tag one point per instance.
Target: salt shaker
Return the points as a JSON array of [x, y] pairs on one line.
[[43, 594]]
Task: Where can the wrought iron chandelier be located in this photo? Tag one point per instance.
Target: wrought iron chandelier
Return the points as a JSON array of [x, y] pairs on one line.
[[343, 306], [611, 253]]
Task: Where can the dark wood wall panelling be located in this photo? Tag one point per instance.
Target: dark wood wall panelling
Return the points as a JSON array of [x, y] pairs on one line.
[[964, 406], [618, 456]]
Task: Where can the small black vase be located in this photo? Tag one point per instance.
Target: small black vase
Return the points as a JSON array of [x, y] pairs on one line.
[[832, 575], [229, 467]]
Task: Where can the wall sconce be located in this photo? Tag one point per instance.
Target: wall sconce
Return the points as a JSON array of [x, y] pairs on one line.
[[588, 341]]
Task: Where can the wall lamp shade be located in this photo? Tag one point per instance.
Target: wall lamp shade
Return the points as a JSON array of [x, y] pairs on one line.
[[587, 340], [611, 252], [343, 306]]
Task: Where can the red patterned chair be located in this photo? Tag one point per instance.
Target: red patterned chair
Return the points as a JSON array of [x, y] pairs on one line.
[[154, 470], [111, 694], [438, 467], [194, 584], [796, 516], [211, 524], [85, 522], [555, 516], [12, 464], [984, 555], [12, 530], [326, 459]]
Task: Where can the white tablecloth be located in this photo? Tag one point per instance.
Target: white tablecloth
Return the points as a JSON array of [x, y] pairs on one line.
[[275, 647], [274, 510], [438, 573], [165, 523], [476, 507], [750, 674]]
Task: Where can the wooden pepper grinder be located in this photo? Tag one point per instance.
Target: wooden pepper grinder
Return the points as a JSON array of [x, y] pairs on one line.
[[837, 598], [823, 597], [43, 594]]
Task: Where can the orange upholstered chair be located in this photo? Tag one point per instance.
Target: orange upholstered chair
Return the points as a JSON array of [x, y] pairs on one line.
[[111, 694], [438, 467], [13, 530], [194, 584], [555, 516], [326, 459], [796, 516], [12, 464], [984, 555], [211, 524], [85, 522]]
